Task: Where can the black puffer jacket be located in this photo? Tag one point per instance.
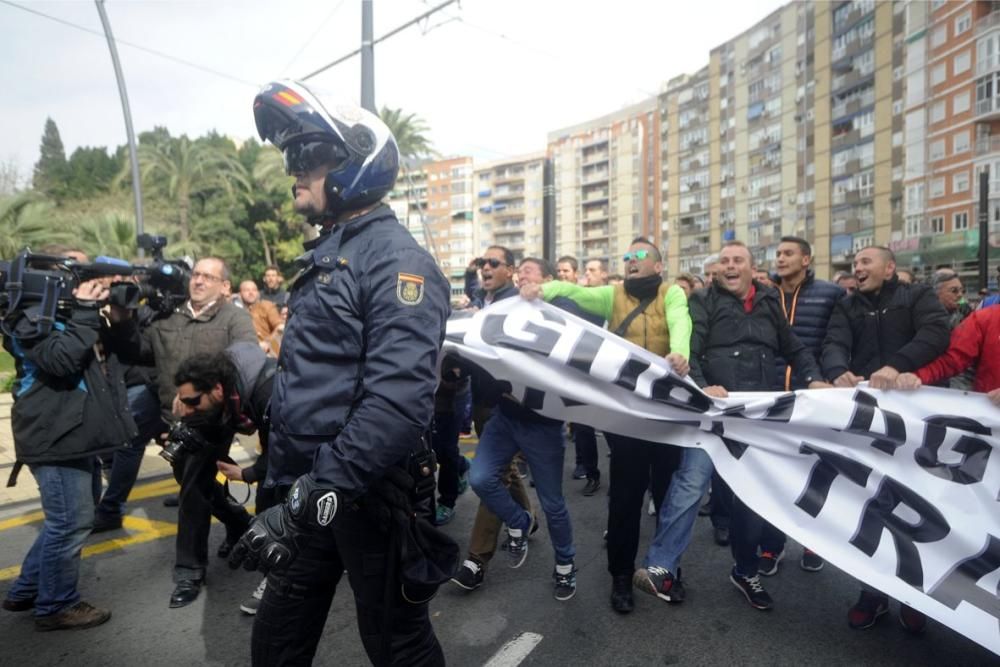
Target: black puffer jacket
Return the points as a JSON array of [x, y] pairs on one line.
[[903, 326], [808, 310], [737, 350]]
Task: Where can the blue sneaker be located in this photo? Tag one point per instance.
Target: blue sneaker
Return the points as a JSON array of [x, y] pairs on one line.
[[463, 482], [443, 515]]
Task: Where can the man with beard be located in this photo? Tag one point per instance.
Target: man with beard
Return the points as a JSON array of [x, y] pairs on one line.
[[885, 328], [653, 315]]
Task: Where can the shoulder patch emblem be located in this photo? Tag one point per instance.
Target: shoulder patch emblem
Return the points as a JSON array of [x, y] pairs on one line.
[[409, 289]]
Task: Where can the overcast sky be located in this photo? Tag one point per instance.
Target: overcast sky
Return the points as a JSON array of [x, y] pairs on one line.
[[490, 77]]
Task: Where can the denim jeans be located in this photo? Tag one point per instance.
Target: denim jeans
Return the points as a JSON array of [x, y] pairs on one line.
[[51, 568], [145, 409], [543, 446], [680, 509]]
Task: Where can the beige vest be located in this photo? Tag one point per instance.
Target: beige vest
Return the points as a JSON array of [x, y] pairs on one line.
[[648, 330]]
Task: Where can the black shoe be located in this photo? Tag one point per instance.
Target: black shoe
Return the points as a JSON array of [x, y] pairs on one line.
[[580, 472], [470, 576], [621, 593], [103, 523], [752, 590], [171, 501], [11, 604], [721, 536], [185, 593], [591, 487]]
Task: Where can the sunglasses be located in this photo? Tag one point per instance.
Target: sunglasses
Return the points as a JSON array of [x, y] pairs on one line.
[[492, 261], [305, 156], [191, 401], [638, 255]]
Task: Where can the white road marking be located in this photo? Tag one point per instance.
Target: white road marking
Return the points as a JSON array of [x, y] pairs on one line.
[[513, 652]]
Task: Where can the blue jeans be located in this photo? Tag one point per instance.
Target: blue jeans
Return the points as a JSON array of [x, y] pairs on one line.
[[544, 448], [680, 509], [145, 409], [51, 568]]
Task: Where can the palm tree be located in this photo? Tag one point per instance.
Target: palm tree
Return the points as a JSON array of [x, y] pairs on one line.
[[183, 170], [111, 233], [410, 132], [26, 221]]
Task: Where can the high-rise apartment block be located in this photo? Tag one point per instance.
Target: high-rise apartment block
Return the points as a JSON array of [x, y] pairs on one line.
[[508, 208], [607, 183]]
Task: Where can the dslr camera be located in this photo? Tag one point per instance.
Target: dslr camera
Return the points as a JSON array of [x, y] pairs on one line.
[[181, 440]]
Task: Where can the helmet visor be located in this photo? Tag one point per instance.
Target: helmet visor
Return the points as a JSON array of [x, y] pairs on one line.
[[306, 156]]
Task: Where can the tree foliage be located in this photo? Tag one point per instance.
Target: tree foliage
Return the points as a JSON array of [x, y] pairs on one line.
[[410, 132], [51, 169]]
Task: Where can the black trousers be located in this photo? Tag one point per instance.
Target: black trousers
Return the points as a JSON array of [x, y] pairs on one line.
[[202, 497], [585, 439], [636, 465], [453, 464], [722, 502], [291, 616]]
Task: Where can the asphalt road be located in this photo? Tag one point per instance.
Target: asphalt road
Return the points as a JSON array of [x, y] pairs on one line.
[[129, 572]]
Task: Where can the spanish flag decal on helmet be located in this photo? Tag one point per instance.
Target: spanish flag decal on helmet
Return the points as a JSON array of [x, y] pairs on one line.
[[409, 289], [288, 98]]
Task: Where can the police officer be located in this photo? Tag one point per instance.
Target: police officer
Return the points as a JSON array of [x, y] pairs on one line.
[[354, 391]]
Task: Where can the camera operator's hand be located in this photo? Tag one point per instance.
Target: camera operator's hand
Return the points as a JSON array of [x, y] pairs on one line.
[[271, 542], [91, 293]]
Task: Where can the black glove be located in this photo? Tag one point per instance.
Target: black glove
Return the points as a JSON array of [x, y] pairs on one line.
[[388, 499], [271, 542]]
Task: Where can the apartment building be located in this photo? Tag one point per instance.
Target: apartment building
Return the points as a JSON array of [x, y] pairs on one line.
[[434, 201], [607, 183], [508, 206]]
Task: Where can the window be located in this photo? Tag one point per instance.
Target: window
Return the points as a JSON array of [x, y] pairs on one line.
[[960, 142], [937, 188], [912, 226], [960, 103], [939, 36], [937, 112], [963, 23], [960, 221], [938, 74], [936, 150], [937, 225], [960, 182], [961, 63]]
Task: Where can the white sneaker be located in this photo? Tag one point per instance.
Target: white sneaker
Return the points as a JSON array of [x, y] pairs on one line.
[[249, 606]]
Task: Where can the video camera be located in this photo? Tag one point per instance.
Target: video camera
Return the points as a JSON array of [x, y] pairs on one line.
[[45, 283]]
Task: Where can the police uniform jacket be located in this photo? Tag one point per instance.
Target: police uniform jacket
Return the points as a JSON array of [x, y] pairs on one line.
[[903, 326], [354, 389]]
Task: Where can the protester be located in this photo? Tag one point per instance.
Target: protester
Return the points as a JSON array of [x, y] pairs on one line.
[[69, 406], [344, 455], [763, 277], [273, 291], [846, 281], [905, 276], [453, 468], [595, 273], [992, 299], [807, 304], [267, 320], [512, 428], [710, 269], [885, 328], [687, 282], [566, 268], [206, 323], [653, 315]]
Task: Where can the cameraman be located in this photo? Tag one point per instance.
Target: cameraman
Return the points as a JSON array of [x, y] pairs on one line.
[[225, 393], [206, 323], [69, 406]]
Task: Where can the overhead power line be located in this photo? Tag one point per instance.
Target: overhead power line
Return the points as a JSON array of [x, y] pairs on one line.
[[159, 54]]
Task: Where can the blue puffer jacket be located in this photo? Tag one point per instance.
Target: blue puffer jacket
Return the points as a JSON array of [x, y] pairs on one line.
[[808, 310]]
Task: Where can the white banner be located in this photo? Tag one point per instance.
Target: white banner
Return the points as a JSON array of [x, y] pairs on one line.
[[900, 490]]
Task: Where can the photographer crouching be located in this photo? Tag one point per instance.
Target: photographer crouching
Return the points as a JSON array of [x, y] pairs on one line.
[[70, 405], [206, 323]]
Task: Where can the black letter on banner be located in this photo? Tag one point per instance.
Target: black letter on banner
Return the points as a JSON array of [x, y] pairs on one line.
[[735, 447], [864, 414], [585, 351], [959, 585], [821, 477], [782, 409], [630, 372], [545, 338], [534, 399], [661, 388], [975, 452], [878, 516]]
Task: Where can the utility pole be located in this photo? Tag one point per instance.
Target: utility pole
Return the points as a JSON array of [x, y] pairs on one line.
[[984, 228], [549, 210], [123, 94], [367, 58]]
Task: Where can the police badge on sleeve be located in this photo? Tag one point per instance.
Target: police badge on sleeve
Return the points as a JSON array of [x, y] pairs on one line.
[[409, 289]]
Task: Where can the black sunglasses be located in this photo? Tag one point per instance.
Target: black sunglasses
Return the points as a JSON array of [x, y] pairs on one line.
[[492, 261], [191, 401], [305, 156]]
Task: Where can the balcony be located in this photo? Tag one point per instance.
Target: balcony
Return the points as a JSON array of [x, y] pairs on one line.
[[598, 233], [597, 157], [595, 215], [600, 176], [988, 64], [695, 248], [595, 197], [988, 109], [988, 22], [986, 145]]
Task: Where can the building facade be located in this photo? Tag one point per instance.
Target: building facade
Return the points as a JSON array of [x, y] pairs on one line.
[[508, 206]]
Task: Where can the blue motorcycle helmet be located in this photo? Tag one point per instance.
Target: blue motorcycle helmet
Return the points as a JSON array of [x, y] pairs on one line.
[[312, 131]]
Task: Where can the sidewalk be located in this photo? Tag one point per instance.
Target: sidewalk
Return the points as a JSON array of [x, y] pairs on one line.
[[26, 491]]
